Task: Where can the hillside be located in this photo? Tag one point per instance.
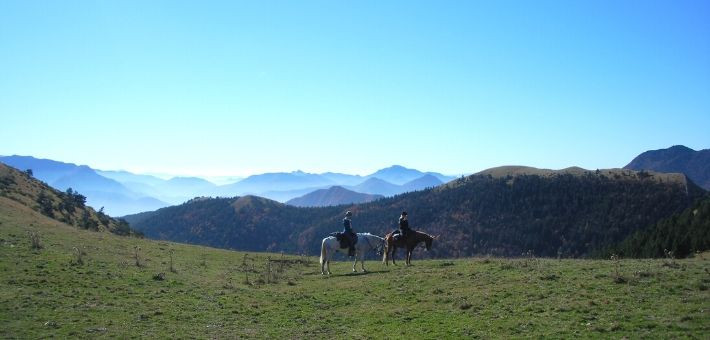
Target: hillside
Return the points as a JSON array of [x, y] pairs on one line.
[[570, 213], [680, 159], [335, 195], [116, 198], [682, 234], [85, 284], [67, 207]]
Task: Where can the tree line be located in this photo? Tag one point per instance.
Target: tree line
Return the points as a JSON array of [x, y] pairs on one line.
[[560, 215]]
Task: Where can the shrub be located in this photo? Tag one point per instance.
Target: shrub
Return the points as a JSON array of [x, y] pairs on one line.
[[35, 241]]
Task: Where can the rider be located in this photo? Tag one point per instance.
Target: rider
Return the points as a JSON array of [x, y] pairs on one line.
[[404, 225], [348, 233]]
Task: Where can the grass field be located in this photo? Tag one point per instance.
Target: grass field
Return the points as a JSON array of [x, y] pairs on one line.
[[89, 284]]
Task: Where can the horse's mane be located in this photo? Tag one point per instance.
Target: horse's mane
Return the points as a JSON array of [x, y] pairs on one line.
[[425, 234]]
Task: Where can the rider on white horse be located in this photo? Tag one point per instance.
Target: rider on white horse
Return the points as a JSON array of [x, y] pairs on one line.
[[349, 234]]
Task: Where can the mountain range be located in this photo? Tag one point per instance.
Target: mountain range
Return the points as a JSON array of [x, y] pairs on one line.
[[121, 192], [504, 211]]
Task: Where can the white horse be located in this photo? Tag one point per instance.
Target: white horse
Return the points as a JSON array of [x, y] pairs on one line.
[[365, 242]]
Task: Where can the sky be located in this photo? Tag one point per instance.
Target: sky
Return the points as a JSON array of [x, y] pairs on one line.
[[218, 88]]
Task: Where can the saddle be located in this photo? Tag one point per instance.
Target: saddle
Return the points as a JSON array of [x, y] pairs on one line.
[[343, 239], [398, 235]]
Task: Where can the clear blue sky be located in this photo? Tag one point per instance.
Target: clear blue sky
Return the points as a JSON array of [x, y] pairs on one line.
[[235, 88]]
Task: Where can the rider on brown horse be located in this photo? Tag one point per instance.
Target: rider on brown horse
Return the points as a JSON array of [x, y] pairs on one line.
[[404, 229]]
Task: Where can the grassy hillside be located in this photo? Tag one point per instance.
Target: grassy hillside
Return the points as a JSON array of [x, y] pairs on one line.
[[68, 207], [87, 284]]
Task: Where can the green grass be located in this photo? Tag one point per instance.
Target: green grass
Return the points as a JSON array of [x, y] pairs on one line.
[[216, 293]]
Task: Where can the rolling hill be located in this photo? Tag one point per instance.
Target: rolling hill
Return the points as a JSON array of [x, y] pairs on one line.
[[84, 284], [680, 159], [572, 212], [335, 195]]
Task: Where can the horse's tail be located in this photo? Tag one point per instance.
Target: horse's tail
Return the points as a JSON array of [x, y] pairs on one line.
[[323, 252], [385, 247]]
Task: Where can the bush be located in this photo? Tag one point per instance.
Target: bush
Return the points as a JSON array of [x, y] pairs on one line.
[[35, 241]]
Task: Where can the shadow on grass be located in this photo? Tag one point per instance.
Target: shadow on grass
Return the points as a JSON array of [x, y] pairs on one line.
[[369, 272]]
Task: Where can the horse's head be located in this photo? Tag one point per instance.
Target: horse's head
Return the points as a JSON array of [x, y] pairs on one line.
[[429, 239]]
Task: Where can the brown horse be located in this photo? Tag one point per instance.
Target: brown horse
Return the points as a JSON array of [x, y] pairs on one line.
[[411, 242]]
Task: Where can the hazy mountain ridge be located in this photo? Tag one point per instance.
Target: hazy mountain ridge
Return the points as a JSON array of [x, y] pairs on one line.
[[678, 158], [100, 191], [335, 195], [569, 213], [122, 192]]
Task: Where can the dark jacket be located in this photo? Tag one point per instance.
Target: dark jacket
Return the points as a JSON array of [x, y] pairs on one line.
[[347, 226], [404, 225], [348, 231]]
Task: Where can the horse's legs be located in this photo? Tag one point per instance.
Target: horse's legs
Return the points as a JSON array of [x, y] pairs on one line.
[[362, 262], [355, 263], [394, 252]]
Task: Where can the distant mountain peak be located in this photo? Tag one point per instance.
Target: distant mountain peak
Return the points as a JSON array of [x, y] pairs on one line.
[[335, 195], [679, 159]]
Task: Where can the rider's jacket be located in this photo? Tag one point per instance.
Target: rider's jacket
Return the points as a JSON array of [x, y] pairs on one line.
[[403, 225], [347, 226]]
